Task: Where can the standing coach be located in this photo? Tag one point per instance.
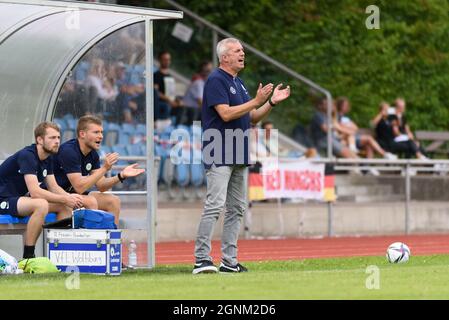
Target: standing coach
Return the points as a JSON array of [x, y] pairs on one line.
[[228, 109]]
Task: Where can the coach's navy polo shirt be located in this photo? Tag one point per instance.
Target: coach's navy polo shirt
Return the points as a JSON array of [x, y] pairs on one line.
[[223, 88], [70, 159], [14, 168]]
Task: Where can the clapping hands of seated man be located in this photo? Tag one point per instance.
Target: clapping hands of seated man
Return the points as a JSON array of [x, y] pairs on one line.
[[130, 171]]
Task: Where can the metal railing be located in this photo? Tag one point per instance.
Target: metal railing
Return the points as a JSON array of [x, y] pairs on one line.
[[405, 165]]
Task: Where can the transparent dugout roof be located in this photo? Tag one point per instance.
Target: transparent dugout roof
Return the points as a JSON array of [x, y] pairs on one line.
[[40, 42]]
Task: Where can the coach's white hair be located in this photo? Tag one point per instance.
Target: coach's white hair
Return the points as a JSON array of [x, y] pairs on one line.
[[222, 46]]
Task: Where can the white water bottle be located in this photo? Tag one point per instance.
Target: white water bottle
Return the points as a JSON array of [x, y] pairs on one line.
[[132, 254]]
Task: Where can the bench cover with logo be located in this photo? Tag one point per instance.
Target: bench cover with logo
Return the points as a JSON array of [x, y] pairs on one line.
[[85, 250]]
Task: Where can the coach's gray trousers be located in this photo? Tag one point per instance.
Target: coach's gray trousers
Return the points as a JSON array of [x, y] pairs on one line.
[[226, 188]]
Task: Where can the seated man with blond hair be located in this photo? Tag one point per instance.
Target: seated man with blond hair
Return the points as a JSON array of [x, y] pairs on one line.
[[21, 194], [78, 170]]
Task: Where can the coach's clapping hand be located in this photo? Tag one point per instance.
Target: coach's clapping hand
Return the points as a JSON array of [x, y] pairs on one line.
[[110, 159], [280, 94], [263, 93]]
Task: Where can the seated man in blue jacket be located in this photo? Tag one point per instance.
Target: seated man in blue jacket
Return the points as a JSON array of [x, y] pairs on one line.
[[20, 192], [77, 166]]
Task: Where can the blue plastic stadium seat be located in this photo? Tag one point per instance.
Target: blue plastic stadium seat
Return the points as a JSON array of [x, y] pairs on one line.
[[128, 128], [61, 123], [112, 134], [81, 71], [141, 129], [182, 174], [68, 116], [124, 138], [69, 132], [7, 219], [137, 74], [197, 174], [51, 217], [121, 150], [104, 150], [134, 149]]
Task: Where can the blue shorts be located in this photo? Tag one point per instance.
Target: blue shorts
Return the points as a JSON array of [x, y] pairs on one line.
[[9, 206]]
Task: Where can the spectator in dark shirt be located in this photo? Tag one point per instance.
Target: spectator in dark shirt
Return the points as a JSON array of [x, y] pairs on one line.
[[319, 129], [193, 99], [359, 140], [165, 85], [383, 123]]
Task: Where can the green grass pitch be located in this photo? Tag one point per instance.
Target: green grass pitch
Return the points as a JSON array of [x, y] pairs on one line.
[[423, 277]]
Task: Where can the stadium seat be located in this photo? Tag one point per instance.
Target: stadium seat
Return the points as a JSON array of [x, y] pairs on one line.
[[8, 219], [105, 125], [104, 150], [134, 149], [70, 130], [121, 150], [62, 126], [112, 134], [128, 128], [51, 217], [182, 174], [61, 123], [81, 71], [197, 175], [141, 129], [128, 72], [68, 116], [137, 74], [124, 138], [71, 123], [143, 147]]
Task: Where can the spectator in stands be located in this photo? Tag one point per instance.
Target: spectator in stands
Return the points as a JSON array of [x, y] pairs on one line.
[[264, 144], [127, 92], [103, 85], [319, 129], [20, 192], [227, 108], [77, 166], [136, 110], [384, 123], [401, 128], [165, 85], [301, 136], [357, 140], [193, 97]]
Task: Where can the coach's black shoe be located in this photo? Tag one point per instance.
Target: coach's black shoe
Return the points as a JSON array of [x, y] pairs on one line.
[[225, 268], [204, 266]]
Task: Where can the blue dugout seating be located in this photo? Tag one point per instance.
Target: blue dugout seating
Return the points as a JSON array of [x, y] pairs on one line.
[[8, 219]]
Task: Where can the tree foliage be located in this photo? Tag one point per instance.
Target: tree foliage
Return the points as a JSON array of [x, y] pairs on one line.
[[327, 41]]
